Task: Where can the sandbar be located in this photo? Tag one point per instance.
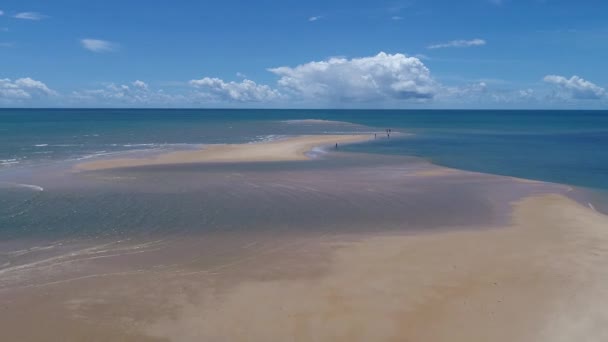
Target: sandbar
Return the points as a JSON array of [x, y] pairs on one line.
[[289, 149]]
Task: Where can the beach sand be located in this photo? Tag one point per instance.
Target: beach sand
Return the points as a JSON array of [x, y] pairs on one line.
[[542, 279], [289, 149]]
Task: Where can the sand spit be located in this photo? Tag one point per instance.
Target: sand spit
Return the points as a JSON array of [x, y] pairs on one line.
[[543, 279], [290, 149]]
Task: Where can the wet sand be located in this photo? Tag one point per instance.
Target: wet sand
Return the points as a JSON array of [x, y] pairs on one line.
[[289, 149], [463, 273], [542, 279]]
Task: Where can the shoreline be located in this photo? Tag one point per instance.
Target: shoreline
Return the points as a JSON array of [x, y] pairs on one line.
[[537, 276], [289, 149]]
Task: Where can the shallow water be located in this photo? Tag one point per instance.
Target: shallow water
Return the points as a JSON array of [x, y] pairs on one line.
[[361, 188], [184, 214], [92, 249], [557, 146]]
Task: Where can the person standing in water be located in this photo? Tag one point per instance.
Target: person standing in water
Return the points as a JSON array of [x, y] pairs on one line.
[[336, 146]]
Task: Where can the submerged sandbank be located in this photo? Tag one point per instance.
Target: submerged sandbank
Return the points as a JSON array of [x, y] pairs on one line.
[[289, 149]]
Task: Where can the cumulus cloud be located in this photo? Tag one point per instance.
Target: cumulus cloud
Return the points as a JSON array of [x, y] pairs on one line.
[[315, 18], [215, 89], [30, 16], [23, 89], [97, 45], [575, 87], [140, 84], [460, 43], [380, 77]]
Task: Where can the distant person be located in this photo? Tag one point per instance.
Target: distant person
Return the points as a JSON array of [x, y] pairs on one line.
[[336, 146], [374, 135]]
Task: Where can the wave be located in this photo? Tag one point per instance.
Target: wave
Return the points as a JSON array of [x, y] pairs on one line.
[[31, 186], [22, 185], [316, 121], [267, 138], [41, 145], [95, 154], [9, 161], [137, 145]]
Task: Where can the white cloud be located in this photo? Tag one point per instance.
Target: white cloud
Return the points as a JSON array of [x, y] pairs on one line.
[[1, 12], [458, 44], [140, 84], [215, 89], [526, 93], [575, 87], [23, 89], [30, 16], [31, 84], [381, 77], [138, 93], [98, 45], [315, 18]]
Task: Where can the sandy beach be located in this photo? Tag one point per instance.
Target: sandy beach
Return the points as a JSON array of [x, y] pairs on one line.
[[289, 149], [304, 171], [536, 277], [538, 280]]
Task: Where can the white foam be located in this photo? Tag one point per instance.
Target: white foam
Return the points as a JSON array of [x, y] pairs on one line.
[[31, 186], [137, 145], [27, 186], [267, 138], [96, 154], [41, 145], [8, 161], [316, 152]]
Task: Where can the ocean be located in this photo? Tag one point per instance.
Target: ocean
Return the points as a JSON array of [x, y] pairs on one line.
[[87, 251], [42, 199], [568, 147]]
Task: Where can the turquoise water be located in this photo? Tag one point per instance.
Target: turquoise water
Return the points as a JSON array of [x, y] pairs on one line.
[[568, 147], [56, 224]]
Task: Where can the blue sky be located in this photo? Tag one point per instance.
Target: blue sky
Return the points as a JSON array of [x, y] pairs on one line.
[[310, 54]]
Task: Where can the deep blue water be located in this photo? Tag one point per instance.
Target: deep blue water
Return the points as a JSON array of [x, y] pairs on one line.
[[568, 147]]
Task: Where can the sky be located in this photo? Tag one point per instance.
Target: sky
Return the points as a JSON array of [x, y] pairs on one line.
[[304, 54]]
